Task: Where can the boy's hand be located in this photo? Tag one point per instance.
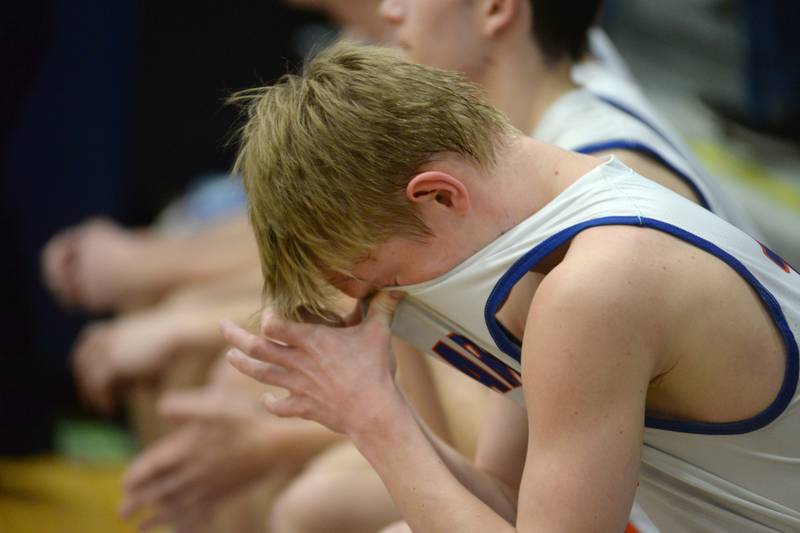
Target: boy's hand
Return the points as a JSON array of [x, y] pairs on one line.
[[339, 377]]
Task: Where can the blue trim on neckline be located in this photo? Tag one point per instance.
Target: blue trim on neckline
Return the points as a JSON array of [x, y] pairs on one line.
[[522, 266], [530, 259], [636, 146]]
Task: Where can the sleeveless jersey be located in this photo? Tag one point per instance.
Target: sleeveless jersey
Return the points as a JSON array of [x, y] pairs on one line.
[[694, 477], [609, 112]]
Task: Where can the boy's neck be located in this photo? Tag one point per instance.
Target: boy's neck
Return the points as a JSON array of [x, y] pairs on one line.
[[522, 84], [527, 176]]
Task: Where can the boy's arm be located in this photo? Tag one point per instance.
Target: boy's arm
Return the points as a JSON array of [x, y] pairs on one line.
[[587, 364], [415, 379], [585, 376], [491, 489], [586, 369], [503, 442]]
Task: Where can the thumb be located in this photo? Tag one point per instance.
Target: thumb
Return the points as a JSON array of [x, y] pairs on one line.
[[381, 308], [196, 405]]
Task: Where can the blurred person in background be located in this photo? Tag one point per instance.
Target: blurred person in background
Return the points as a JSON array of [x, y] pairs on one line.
[[95, 127], [355, 19], [170, 284], [99, 266], [79, 88], [185, 492], [723, 71], [771, 70]]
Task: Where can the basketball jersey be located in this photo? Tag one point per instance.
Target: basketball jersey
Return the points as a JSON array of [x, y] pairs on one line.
[[609, 112], [694, 477]]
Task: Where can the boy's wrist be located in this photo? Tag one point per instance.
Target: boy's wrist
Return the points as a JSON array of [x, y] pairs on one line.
[[380, 427]]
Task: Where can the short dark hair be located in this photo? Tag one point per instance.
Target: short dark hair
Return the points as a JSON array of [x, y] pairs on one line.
[[560, 27]]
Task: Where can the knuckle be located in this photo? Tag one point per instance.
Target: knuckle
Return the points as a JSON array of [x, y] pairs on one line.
[[254, 347]]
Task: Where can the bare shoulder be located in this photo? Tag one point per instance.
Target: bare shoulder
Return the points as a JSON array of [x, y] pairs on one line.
[[623, 266], [587, 359], [638, 303], [617, 290]]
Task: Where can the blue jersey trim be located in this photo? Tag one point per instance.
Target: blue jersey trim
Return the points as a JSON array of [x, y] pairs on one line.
[[522, 266], [636, 146], [628, 111], [539, 252]]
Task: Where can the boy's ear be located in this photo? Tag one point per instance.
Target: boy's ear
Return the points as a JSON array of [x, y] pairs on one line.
[[498, 15], [440, 188]]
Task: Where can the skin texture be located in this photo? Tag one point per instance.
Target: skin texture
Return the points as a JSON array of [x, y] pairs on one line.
[[109, 357], [589, 358], [183, 483], [99, 266], [316, 503], [366, 505], [242, 446], [356, 17], [397, 527], [417, 30]]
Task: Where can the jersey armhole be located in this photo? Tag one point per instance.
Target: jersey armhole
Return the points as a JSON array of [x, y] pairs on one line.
[[512, 347]]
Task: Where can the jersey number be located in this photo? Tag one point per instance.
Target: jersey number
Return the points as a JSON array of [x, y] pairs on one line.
[[503, 378], [778, 260]]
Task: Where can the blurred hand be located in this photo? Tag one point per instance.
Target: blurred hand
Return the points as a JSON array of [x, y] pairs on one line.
[[338, 376], [110, 355], [93, 266], [222, 448], [58, 266]]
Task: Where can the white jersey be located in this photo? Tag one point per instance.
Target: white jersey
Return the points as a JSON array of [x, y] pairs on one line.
[[737, 477], [609, 112]]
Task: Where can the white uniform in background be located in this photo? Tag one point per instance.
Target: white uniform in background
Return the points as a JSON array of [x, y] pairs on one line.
[[609, 111], [695, 477]]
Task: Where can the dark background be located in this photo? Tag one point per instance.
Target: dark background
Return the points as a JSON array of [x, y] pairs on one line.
[[106, 108]]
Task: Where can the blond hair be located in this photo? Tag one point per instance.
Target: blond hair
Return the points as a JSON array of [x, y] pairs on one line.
[[326, 157]]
